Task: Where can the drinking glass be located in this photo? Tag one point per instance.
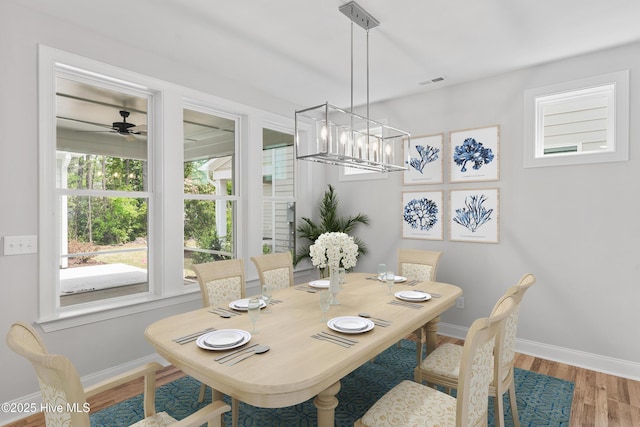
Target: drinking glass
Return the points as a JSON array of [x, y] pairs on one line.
[[325, 302], [267, 293], [390, 279], [254, 313], [382, 270]]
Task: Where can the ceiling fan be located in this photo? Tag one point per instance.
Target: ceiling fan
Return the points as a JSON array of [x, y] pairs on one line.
[[124, 128], [127, 129]]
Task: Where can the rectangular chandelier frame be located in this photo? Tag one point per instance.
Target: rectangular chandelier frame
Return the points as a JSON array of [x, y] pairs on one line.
[[350, 140]]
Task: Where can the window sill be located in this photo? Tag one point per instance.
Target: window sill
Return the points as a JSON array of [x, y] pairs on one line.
[[73, 317]]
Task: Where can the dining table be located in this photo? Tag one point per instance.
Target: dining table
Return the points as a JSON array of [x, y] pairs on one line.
[[298, 367]]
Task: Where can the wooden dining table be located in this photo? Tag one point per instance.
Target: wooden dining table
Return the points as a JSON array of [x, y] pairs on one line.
[[298, 367]]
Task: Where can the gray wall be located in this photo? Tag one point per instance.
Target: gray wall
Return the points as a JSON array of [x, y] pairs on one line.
[[574, 227]]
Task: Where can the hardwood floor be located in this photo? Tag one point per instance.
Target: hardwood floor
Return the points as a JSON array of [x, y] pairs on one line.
[[599, 400]]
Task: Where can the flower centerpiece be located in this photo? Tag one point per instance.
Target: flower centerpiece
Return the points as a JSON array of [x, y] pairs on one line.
[[332, 250]]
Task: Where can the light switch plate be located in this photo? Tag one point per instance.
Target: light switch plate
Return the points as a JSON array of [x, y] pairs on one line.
[[20, 245]]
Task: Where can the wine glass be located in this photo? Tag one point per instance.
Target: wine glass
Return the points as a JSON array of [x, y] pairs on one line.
[[325, 302], [382, 271], [390, 279], [267, 293], [254, 312]]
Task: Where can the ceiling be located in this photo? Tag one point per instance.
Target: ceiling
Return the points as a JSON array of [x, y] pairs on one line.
[[298, 50]]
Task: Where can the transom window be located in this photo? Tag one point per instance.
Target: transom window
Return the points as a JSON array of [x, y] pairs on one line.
[[583, 121]]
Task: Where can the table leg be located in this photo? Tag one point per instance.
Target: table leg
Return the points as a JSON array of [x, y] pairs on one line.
[[326, 403], [431, 334]]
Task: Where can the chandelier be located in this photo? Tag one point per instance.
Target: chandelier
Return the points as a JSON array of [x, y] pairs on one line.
[[342, 137]]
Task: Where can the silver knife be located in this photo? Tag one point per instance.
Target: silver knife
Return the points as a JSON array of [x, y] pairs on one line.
[[233, 354]]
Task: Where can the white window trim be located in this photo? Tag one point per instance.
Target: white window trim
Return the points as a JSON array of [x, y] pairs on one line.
[[532, 152], [167, 176]]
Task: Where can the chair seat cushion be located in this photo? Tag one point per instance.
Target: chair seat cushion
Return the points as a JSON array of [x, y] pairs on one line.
[[161, 419], [444, 361], [412, 404]]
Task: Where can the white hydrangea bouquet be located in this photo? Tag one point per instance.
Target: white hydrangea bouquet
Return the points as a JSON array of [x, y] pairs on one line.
[[332, 249]]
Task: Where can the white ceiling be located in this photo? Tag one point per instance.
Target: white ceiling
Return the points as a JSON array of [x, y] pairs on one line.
[[298, 50]]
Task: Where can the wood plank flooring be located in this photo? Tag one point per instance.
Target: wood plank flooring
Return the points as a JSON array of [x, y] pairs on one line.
[[599, 400]]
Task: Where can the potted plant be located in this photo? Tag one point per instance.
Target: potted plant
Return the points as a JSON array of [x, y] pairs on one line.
[[329, 222]]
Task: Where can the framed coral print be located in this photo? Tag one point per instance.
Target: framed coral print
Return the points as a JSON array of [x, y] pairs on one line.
[[474, 215], [474, 154], [425, 158], [422, 215]]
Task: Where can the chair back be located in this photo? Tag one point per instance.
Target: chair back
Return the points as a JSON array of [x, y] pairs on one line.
[[476, 366], [275, 269], [506, 340], [220, 281], [416, 264], [60, 386]]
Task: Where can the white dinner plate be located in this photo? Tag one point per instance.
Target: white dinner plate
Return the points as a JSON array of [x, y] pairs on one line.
[[350, 324], [413, 296], [396, 279], [323, 284], [222, 336], [243, 304]]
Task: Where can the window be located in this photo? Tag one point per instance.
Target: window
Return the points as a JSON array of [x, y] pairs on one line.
[[140, 178], [102, 188], [585, 121], [209, 188], [278, 186]]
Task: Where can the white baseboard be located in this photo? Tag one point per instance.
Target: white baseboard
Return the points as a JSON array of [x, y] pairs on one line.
[[581, 359], [35, 399]]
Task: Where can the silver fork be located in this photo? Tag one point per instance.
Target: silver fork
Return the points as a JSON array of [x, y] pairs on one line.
[[331, 340]]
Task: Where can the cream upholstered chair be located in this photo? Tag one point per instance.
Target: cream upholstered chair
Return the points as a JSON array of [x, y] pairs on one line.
[[60, 386], [221, 281], [441, 366], [413, 404], [417, 264], [275, 269]]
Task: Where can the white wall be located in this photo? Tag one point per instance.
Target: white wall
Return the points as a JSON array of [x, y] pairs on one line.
[[574, 227]]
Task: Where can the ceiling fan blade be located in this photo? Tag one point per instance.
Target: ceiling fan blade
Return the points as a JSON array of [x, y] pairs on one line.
[[130, 137], [139, 128]]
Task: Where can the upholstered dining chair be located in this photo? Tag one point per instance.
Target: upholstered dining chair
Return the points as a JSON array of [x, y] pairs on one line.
[[60, 387], [441, 366], [417, 264], [221, 281], [275, 269], [412, 404]]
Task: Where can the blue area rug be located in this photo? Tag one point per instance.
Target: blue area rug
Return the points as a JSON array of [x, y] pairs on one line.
[[542, 400]]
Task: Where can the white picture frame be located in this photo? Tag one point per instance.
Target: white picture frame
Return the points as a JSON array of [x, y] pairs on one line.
[[474, 154], [425, 160], [423, 215], [474, 215]]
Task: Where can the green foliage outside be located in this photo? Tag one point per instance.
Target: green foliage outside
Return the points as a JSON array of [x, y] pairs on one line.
[[117, 220], [106, 220], [330, 221]]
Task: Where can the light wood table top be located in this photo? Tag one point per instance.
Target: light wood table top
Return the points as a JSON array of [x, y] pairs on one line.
[[298, 367]]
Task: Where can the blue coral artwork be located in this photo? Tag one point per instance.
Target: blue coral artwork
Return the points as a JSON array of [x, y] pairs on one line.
[[422, 215], [474, 154], [424, 160], [474, 215]]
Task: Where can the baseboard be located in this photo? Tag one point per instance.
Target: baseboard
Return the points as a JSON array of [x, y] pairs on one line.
[[34, 400], [581, 359]]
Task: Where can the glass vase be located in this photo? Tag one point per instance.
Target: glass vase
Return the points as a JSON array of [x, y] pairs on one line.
[[334, 285]]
